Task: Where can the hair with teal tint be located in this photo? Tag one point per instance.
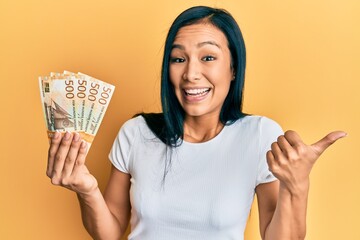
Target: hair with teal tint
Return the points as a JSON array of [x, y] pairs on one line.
[[168, 125]]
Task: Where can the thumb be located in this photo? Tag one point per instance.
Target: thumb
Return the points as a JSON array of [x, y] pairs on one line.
[[329, 139]]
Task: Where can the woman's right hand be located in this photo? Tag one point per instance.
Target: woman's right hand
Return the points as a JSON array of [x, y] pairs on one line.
[[66, 163]]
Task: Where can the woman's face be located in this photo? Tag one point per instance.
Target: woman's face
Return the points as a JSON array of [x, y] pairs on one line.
[[200, 69]]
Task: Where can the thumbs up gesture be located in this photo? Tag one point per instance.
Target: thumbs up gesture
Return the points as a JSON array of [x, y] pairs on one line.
[[291, 160]]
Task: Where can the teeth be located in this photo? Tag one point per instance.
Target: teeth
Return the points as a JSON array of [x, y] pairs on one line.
[[196, 91]]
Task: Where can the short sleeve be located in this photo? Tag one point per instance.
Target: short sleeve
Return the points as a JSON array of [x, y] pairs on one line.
[[269, 132], [120, 152]]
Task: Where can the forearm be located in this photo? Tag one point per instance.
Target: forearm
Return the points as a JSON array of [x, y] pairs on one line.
[[289, 219], [97, 218]]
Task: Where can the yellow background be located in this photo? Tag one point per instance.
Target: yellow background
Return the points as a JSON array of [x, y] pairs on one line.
[[302, 71]]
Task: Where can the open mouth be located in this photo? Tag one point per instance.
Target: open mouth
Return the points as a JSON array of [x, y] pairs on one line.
[[196, 92]]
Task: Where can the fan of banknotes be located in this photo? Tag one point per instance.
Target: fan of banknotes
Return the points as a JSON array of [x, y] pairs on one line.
[[74, 102]]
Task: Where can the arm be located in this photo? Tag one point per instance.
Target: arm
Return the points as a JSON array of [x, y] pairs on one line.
[[282, 214], [66, 167], [107, 217], [283, 204]]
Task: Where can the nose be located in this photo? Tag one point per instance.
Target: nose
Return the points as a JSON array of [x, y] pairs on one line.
[[192, 71]]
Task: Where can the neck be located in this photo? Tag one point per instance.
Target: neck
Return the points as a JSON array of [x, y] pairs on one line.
[[201, 129]]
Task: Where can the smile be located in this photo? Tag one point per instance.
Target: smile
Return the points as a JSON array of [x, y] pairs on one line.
[[196, 92]]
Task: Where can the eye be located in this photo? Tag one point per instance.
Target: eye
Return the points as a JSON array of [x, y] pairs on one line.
[[176, 60], [208, 58]]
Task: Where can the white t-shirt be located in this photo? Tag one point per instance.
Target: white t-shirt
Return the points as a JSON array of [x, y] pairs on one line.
[[209, 188]]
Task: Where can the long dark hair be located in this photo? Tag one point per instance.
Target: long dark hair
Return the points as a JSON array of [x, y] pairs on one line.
[[168, 125]]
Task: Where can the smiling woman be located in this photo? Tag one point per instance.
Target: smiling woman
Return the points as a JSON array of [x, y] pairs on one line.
[[191, 171], [219, 25]]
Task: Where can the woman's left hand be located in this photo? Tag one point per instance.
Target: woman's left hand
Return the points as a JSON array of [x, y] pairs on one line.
[[291, 160]]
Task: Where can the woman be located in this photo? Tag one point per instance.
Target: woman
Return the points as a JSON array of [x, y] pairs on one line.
[[191, 172]]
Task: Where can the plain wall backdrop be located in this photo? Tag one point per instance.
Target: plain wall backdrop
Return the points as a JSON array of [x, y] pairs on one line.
[[302, 71]]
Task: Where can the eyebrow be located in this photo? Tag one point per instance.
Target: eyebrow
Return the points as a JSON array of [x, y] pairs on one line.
[[199, 45], [208, 42]]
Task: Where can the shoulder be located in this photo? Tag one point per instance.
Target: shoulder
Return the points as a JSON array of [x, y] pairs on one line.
[[255, 128], [135, 125], [256, 123]]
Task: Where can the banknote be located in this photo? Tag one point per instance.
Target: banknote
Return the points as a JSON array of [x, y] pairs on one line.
[[44, 84], [63, 103], [74, 102], [100, 94], [81, 92]]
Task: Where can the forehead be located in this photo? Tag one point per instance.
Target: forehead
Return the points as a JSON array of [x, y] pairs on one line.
[[200, 32]]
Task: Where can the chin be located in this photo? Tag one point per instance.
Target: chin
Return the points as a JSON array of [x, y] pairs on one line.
[[192, 112]]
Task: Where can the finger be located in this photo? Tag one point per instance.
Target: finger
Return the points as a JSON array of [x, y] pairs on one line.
[[80, 160], [270, 157], [329, 139], [293, 138], [284, 144], [60, 158], [270, 160], [71, 156], [54, 146], [276, 151], [289, 151]]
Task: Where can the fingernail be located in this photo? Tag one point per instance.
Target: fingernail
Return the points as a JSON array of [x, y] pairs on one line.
[[56, 135], [76, 137], [67, 135], [83, 144]]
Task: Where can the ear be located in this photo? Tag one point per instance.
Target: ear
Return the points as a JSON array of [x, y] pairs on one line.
[[233, 74], [232, 71]]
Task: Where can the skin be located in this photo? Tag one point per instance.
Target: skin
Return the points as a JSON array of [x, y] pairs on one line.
[[200, 60], [104, 216]]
